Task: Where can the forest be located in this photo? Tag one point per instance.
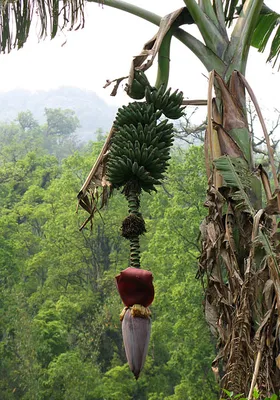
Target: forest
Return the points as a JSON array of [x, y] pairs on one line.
[[60, 333]]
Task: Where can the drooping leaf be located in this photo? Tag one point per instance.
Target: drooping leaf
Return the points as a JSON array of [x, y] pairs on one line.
[[16, 17], [275, 47], [265, 31], [235, 173], [230, 10], [228, 393], [264, 28], [242, 138], [270, 252]]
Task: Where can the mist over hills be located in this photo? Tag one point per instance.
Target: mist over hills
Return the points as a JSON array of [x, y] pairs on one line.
[[94, 113]]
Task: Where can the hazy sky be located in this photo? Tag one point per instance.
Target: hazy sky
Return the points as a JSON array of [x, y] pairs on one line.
[[104, 49]]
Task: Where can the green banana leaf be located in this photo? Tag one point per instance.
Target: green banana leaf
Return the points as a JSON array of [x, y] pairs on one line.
[[265, 31], [236, 175], [230, 9]]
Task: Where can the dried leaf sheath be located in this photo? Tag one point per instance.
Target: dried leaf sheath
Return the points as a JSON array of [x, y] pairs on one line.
[[151, 49], [240, 255], [88, 197]]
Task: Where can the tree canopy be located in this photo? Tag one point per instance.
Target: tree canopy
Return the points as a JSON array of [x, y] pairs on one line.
[[60, 331]]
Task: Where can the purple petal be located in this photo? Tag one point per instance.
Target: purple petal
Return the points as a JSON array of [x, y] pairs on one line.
[[136, 286], [136, 336]]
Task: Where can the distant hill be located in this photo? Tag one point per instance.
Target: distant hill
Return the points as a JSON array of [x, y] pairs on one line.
[[91, 110]]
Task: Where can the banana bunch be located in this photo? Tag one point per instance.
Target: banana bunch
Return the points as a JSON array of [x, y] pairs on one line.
[[140, 147], [169, 104], [136, 112], [137, 89]]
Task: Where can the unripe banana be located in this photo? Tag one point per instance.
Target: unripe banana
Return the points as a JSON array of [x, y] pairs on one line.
[[140, 145], [135, 168]]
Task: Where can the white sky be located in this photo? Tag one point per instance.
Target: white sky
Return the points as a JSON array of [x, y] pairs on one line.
[[104, 49]]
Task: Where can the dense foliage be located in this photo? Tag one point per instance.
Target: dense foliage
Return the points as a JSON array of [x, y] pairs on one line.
[[60, 334]]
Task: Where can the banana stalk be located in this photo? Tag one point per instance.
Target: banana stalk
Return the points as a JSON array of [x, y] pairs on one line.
[[164, 61], [138, 158], [133, 225]]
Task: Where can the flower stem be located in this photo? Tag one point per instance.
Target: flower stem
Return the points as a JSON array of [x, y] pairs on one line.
[[134, 252], [132, 197], [133, 201]]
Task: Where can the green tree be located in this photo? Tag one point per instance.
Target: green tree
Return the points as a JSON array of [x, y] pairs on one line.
[[59, 133], [61, 122], [26, 120]]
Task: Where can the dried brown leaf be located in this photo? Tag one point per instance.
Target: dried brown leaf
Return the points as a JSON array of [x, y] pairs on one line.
[[268, 293], [145, 59], [266, 135], [233, 117], [228, 145], [88, 196], [212, 232], [272, 207], [152, 47], [277, 360], [265, 182], [237, 90], [211, 317]]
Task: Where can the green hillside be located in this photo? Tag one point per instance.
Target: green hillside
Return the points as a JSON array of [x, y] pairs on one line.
[[92, 111]]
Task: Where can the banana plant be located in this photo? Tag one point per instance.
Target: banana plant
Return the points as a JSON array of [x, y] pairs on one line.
[[240, 254]]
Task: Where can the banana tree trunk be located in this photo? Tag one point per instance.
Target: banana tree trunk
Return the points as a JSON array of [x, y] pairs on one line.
[[240, 251]]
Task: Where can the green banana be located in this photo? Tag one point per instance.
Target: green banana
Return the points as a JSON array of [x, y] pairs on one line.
[[138, 86], [126, 133], [158, 114], [161, 145], [148, 187], [137, 155], [135, 168], [173, 96], [132, 154], [144, 155], [174, 113], [129, 163], [140, 76], [159, 97], [136, 90], [158, 175], [162, 125], [154, 141], [141, 173], [148, 95], [164, 102], [151, 156], [140, 146]]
